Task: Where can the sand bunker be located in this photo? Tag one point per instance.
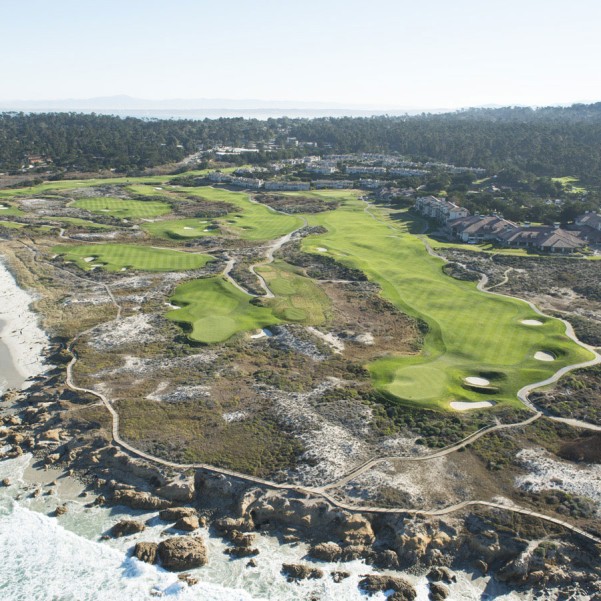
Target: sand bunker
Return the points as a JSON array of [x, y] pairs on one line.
[[321, 249], [189, 228], [544, 356], [3, 208], [89, 259], [474, 381], [532, 322], [463, 406]]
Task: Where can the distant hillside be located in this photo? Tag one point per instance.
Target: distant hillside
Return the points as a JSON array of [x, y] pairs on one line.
[[546, 141]]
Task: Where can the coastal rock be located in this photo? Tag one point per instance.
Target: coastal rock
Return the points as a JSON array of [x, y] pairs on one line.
[[182, 553], [481, 566], [187, 524], [251, 563], [60, 510], [373, 583], [325, 552], [242, 539], [438, 592], [139, 500], [339, 576], [52, 458], [188, 579], [441, 574], [237, 552], [6, 482], [296, 571], [126, 528], [52, 435], [387, 559], [172, 514], [227, 526], [146, 552], [179, 490]]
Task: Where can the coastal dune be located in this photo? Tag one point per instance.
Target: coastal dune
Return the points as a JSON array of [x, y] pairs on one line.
[[20, 333]]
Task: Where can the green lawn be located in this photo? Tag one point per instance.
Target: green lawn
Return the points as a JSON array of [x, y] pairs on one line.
[[252, 221], [116, 257], [181, 229], [569, 184], [471, 333], [297, 298], [216, 310], [124, 209]]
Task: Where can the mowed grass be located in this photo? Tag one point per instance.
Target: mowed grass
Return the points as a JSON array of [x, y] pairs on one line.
[[470, 332], [13, 225], [298, 298], [117, 257], [215, 310], [122, 208], [252, 221], [181, 229]]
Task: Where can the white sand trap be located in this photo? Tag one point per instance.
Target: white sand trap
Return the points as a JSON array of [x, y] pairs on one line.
[[463, 406], [542, 356], [3, 208], [207, 229], [158, 188], [124, 269], [532, 322], [105, 210], [261, 334], [89, 259], [189, 228], [474, 381], [321, 249]]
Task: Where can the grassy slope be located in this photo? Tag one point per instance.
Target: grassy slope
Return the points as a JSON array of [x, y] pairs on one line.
[[217, 310], [471, 333], [114, 257], [124, 209], [254, 221], [297, 298], [181, 229]]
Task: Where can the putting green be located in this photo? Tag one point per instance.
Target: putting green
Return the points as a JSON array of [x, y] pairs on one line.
[[470, 332], [115, 257], [216, 310], [124, 209], [181, 229], [252, 221], [297, 298]]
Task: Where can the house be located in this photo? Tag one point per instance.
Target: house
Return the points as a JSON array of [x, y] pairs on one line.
[[285, 186], [479, 228], [546, 238], [363, 170], [438, 209], [589, 219], [404, 172], [335, 184]]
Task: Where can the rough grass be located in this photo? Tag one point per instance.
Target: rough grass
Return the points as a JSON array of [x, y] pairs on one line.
[[11, 225], [298, 298], [470, 332], [216, 310], [181, 229], [115, 257], [84, 223], [124, 209]]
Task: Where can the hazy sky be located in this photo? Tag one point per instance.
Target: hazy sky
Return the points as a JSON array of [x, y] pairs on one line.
[[387, 53]]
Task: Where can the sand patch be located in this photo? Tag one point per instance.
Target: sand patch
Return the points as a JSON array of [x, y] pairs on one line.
[[532, 322], [3, 208], [321, 249], [464, 406], [330, 339], [543, 356], [260, 334], [189, 228], [89, 259], [475, 381]]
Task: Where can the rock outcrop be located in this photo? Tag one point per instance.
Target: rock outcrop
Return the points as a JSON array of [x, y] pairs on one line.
[[182, 553], [187, 524], [139, 500], [296, 571], [173, 514], [146, 552], [126, 528], [373, 583]]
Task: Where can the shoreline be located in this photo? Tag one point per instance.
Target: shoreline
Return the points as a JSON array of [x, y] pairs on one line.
[[19, 327]]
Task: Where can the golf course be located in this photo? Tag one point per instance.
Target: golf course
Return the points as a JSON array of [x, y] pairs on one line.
[[120, 257]]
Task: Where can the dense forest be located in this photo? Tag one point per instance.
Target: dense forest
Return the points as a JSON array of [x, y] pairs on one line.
[[545, 142]]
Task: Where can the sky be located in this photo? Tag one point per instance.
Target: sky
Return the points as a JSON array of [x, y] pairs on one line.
[[376, 53]]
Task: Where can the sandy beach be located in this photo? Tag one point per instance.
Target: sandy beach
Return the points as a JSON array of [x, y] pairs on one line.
[[19, 327]]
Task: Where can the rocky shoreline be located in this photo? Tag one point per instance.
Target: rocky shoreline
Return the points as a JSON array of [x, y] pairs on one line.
[[522, 553]]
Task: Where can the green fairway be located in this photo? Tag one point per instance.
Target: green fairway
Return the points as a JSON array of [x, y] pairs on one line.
[[12, 225], [216, 310], [252, 221], [181, 229], [117, 257], [297, 298], [471, 332], [124, 209], [7, 209]]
